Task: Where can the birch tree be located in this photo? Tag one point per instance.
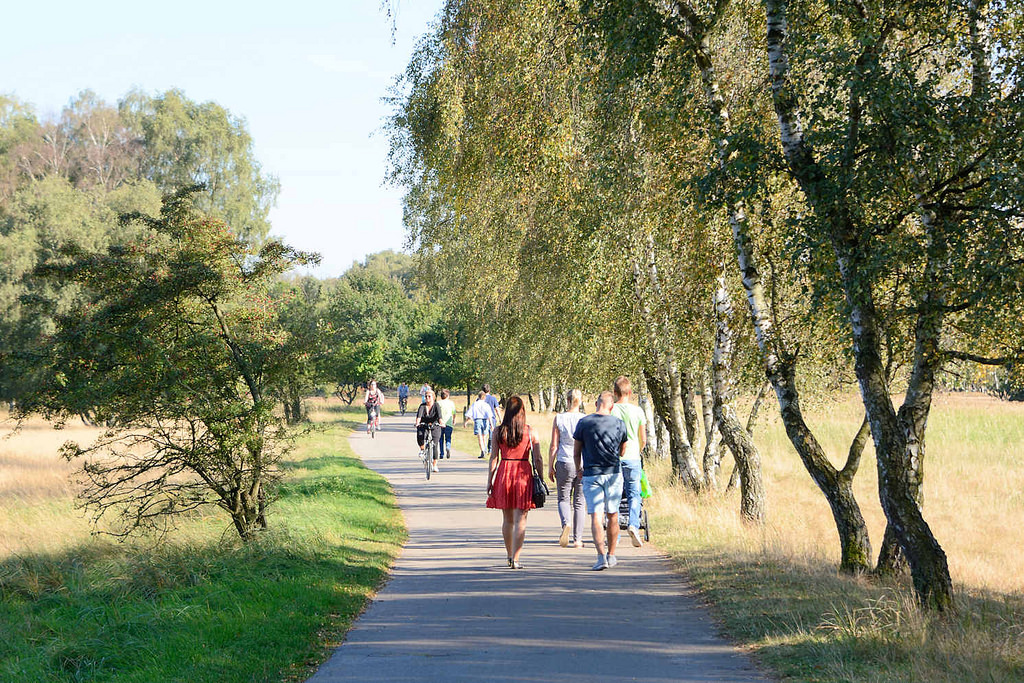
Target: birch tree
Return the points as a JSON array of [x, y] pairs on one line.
[[906, 145], [697, 44]]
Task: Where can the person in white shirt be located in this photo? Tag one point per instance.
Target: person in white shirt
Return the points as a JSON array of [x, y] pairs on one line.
[[562, 470], [481, 414]]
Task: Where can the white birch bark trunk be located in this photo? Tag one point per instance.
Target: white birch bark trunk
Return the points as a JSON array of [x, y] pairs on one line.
[[753, 502]]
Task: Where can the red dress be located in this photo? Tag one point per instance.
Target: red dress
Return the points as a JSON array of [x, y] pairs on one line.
[[513, 480]]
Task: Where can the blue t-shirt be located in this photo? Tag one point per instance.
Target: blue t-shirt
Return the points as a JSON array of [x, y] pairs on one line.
[[493, 402], [602, 437]]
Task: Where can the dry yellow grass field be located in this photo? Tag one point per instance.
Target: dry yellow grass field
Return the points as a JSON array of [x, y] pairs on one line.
[[974, 488], [37, 490], [38, 512]]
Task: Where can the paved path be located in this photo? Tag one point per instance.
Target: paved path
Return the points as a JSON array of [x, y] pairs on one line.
[[453, 611]]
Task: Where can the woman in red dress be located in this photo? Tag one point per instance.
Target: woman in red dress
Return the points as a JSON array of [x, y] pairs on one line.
[[510, 476]]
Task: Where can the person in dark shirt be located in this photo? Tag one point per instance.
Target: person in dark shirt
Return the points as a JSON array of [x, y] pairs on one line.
[[428, 416], [600, 440]]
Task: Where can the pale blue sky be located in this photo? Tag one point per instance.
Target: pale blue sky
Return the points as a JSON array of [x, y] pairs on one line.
[[307, 75]]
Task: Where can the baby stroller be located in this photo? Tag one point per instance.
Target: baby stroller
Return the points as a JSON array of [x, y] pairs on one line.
[[644, 527]]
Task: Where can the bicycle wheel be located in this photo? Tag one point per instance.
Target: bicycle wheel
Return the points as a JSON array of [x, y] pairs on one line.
[[428, 462]]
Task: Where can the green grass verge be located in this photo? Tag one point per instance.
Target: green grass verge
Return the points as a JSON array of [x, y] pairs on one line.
[[198, 605]]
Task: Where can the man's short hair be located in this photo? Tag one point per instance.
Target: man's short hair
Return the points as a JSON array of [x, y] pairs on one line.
[[444, 393], [481, 394], [623, 387], [487, 388], [605, 398]]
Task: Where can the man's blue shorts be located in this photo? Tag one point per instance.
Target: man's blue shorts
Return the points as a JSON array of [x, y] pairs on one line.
[[603, 493], [481, 425]]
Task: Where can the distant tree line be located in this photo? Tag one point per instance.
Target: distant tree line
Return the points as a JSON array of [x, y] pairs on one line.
[[65, 180], [140, 291]]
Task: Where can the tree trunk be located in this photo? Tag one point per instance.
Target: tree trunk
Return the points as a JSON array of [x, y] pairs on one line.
[[896, 447], [663, 381], [753, 502], [856, 549], [644, 401], [533, 407], [891, 560], [669, 404], [664, 451], [846, 512], [688, 388], [712, 455]]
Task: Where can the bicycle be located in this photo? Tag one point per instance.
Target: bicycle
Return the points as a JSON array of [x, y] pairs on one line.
[[403, 401], [427, 452], [372, 421]]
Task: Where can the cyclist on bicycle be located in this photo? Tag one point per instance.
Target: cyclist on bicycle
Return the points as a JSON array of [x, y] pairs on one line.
[[374, 400], [428, 416], [403, 396]]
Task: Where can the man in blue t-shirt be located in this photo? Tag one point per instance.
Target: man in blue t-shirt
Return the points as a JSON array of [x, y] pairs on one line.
[[600, 442]]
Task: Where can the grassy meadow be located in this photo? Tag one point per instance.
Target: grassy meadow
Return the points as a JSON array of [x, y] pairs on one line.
[[777, 593], [195, 604]]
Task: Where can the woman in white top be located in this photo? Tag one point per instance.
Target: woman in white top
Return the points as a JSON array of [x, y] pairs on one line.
[[562, 470]]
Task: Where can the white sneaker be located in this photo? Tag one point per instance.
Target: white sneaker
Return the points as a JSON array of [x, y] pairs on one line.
[[612, 561], [563, 540], [435, 468], [602, 563], [634, 535]]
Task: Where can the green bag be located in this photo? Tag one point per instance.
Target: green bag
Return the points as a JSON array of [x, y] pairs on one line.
[[645, 486]]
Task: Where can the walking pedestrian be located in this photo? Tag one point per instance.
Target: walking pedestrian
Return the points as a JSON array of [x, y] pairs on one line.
[[600, 440], [562, 470], [635, 421], [514, 457], [495, 406], [481, 414], [447, 408]]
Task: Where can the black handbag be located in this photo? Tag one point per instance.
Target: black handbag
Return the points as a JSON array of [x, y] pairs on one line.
[[540, 489]]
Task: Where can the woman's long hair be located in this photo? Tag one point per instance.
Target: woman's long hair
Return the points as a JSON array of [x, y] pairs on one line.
[[513, 423]]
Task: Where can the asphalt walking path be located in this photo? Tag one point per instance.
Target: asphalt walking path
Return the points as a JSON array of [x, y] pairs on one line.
[[454, 611]]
